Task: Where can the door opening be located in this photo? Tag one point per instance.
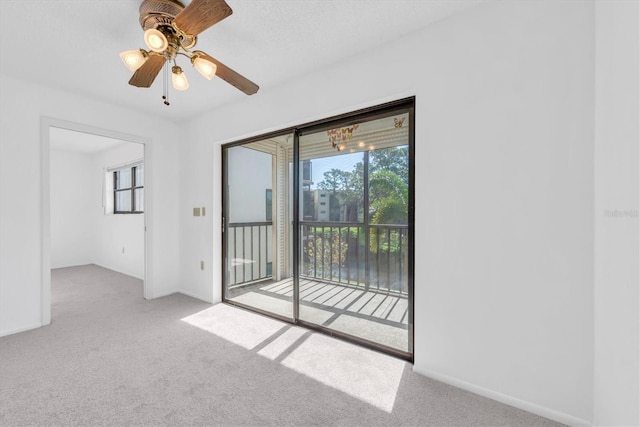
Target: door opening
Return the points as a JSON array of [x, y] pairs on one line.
[[319, 226], [93, 202]]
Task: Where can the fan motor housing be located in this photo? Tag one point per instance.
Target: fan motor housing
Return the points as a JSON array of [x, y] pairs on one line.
[[161, 13]]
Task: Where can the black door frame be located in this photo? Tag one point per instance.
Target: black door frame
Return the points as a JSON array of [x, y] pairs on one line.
[[406, 105]]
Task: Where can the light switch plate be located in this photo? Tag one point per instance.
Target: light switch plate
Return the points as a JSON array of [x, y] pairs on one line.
[[196, 211], [203, 211]]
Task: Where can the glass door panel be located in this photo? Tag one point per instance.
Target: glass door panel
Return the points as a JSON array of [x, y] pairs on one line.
[[257, 226], [354, 230], [318, 230]]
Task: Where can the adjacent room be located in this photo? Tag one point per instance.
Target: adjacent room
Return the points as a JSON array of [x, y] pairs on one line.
[[97, 202], [354, 212], [97, 215]]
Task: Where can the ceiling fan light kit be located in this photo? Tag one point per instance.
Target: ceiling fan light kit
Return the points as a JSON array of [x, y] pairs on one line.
[[170, 30], [133, 59], [178, 78], [155, 40], [204, 67]]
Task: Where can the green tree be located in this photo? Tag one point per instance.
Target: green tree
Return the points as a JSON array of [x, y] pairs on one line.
[[388, 186], [329, 250], [346, 188], [334, 180], [388, 204], [393, 159], [388, 195]]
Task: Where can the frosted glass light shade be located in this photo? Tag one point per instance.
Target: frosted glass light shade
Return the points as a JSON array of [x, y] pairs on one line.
[[204, 67], [133, 59], [155, 40], [179, 79]]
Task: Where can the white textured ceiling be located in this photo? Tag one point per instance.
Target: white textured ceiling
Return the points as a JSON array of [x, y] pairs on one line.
[[74, 44]]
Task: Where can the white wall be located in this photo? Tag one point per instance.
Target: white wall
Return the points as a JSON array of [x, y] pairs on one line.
[[504, 238], [250, 174], [119, 239], [616, 372], [508, 302], [82, 230], [22, 105], [72, 222]]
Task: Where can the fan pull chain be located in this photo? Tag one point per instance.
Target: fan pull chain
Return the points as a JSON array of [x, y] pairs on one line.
[[165, 87]]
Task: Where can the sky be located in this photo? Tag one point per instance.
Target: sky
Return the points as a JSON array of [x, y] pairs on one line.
[[344, 162]]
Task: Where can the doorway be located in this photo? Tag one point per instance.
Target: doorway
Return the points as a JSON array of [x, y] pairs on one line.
[[258, 227], [94, 188], [319, 227], [97, 202]]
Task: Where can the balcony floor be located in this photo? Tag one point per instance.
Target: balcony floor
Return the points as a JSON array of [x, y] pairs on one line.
[[375, 316]]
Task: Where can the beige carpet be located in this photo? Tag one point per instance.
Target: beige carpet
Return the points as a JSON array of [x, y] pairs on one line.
[[111, 358]]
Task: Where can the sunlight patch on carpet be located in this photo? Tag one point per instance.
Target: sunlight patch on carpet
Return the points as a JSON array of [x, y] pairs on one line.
[[364, 374], [367, 375], [281, 345], [235, 325]]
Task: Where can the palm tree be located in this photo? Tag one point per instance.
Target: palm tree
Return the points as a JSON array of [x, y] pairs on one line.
[[389, 205], [388, 195]]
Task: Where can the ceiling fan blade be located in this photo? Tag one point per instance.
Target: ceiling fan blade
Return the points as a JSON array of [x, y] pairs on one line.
[[145, 75], [200, 15], [230, 76]]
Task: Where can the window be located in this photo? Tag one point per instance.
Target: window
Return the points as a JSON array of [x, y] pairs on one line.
[[268, 204], [128, 189]]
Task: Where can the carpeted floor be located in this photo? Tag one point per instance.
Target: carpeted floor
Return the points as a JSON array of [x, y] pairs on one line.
[[111, 358]]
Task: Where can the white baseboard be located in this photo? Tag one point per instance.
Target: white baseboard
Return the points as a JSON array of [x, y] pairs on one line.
[[18, 330], [182, 291], [164, 294], [551, 414], [193, 295]]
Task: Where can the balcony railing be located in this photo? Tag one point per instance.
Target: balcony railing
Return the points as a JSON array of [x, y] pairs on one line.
[[373, 257], [249, 248]]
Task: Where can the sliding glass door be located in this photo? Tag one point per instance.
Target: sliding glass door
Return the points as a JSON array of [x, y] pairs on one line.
[[354, 229], [319, 226], [257, 227]]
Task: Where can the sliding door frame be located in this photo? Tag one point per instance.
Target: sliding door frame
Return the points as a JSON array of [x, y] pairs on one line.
[[371, 113], [225, 222]]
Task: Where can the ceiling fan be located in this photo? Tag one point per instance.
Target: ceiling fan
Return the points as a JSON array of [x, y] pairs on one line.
[[170, 30]]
